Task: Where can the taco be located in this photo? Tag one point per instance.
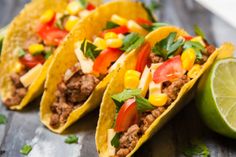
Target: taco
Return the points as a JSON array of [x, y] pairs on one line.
[[30, 45], [82, 69], [153, 84]]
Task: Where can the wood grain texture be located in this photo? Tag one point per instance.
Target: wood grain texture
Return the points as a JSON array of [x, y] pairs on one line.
[[25, 127]]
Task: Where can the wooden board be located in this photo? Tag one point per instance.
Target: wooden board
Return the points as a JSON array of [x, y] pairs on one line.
[[25, 128]]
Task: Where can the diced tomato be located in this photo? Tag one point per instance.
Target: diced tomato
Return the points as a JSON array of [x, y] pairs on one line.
[[30, 61], [51, 35], [90, 7], [142, 21], [188, 37], [127, 116], [169, 71], [117, 30], [143, 56], [104, 60]]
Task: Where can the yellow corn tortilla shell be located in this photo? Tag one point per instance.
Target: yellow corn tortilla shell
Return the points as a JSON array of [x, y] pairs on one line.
[[22, 28], [87, 28], [116, 85]]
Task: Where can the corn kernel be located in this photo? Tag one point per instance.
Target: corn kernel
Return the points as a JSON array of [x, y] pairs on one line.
[[110, 35], [188, 58], [194, 71], [131, 82], [134, 27], [18, 67], [154, 88], [36, 48], [100, 43], [114, 43], [74, 7], [132, 73], [71, 22], [47, 16], [158, 100], [199, 40], [119, 20]]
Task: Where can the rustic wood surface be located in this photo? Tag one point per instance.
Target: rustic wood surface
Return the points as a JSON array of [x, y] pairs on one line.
[[25, 128]]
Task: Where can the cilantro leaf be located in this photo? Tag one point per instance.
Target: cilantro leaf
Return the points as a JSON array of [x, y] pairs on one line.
[[59, 21], [132, 41], [120, 98], [196, 148], [198, 31], [115, 140], [3, 119], [21, 52], [143, 104], [71, 139], [25, 150], [196, 46], [84, 3], [154, 26], [167, 46], [111, 25], [89, 50]]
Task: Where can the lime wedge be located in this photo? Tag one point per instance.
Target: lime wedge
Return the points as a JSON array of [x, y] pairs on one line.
[[216, 97]]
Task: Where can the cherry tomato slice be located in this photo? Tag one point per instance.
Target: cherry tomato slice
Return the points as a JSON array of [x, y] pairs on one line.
[[127, 116], [104, 60], [142, 21], [169, 71], [50, 35], [90, 7], [188, 38], [143, 56], [30, 61], [117, 30]]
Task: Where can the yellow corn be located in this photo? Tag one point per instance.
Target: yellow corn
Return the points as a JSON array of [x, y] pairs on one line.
[[118, 20], [74, 7], [131, 79], [18, 67], [36, 48], [114, 43], [194, 71], [47, 16], [71, 22], [110, 35], [100, 43], [188, 58], [158, 100], [199, 40], [134, 27]]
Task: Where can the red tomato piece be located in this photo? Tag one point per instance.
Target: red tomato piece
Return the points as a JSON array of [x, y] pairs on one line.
[[142, 21], [90, 7], [104, 60], [170, 70], [117, 30], [51, 35], [30, 61], [127, 116], [188, 37], [143, 56]]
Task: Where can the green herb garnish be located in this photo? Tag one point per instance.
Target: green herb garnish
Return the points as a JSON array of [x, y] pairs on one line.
[[25, 150], [89, 50], [120, 98], [84, 3], [71, 139], [154, 26], [167, 46], [59, 22], [196, 46], [111, 25], [47, 54], [198, 31], [115, 140], [143, 104], [21, 52], [3, 119], [132, 41], [197, 148]]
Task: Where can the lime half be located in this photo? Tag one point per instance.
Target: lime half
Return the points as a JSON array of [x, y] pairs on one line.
[[216, 97]]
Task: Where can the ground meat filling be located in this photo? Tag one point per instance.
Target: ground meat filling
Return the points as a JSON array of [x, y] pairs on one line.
[[70, 95], [18, 92]]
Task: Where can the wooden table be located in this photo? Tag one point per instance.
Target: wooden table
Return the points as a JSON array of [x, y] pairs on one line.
[[25, 128]]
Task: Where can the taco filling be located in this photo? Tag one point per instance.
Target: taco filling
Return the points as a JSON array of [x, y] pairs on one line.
[[161, 71], [96, 58], [51, 30]]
